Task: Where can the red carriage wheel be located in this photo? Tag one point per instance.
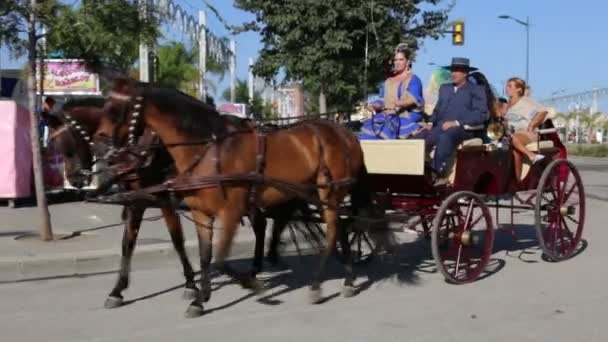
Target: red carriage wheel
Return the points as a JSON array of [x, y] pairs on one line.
[[462, 237], [560, 210]]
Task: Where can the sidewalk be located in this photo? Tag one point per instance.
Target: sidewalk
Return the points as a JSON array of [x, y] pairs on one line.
[[88, 240]]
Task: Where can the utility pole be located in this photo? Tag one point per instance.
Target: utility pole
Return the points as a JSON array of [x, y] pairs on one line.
[[144, 50], [46, 233], [233, 71], [250, 81], [202, 55]]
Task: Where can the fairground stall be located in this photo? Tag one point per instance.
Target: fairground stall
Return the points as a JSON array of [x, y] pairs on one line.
[[63, 80]]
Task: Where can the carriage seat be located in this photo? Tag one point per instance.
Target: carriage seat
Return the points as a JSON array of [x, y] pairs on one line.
[[393, 156]]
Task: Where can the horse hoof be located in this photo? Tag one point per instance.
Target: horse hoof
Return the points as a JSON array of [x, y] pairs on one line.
[[194, 311], [348, 291], [113, 302], [316, 296], [189, 294], [257, 287]]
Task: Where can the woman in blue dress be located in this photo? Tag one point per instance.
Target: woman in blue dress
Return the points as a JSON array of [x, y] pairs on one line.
[[398, 110]]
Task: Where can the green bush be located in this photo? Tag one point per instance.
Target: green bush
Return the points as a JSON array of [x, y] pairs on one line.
[[588, 150]]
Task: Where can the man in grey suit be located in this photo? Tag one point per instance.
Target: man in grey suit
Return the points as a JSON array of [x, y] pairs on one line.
[[461, 103]]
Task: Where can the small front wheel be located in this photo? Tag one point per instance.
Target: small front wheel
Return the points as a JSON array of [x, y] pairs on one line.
[[462, 237]]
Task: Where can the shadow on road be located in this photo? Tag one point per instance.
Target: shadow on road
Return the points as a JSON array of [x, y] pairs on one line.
[[406, 267]]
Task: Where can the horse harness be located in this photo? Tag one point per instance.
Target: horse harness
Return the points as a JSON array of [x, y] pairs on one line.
[[187, 181]]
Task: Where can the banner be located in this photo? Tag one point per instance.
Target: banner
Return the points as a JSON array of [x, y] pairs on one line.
[[237, 109], [68, 77]]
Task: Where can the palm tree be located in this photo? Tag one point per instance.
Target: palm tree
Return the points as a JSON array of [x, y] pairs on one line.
[[590, 122], [178, 68]]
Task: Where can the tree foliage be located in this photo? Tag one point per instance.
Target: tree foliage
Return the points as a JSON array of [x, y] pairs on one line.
[[103, 32], [323, 43], [13, 21]]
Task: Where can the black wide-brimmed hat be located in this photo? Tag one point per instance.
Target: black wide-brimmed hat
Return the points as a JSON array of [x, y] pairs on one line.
[[460, 62]]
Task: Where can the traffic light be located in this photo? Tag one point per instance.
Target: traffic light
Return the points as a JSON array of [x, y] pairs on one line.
[[458, 33]]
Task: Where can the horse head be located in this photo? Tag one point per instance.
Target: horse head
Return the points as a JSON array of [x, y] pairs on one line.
[[133, 108], [71, 135]]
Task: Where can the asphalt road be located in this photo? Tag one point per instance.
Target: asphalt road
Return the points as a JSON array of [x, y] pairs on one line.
[[523, 299]]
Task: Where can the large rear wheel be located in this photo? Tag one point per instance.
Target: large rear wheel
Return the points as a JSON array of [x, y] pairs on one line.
[[560, 210], [462, 237]]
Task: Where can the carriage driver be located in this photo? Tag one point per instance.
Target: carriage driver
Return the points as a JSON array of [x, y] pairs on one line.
[[461, 103]]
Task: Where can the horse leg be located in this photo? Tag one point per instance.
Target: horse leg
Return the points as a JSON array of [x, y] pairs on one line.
[[177, 237], [280, 220], [204, 230], [230, 219], [259, 229], [134, 217], [330, 216], [348, 289]]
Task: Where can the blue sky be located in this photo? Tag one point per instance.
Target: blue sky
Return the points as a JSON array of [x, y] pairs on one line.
[[568, 47]]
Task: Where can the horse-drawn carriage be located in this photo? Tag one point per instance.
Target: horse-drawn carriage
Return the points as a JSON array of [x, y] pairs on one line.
[[226, 167], [458, 218]]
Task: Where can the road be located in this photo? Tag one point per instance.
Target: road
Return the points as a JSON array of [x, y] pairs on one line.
[[522, 299]]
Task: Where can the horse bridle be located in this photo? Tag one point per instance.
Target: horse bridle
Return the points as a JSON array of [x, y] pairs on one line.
[[135, 114], [70, 123]]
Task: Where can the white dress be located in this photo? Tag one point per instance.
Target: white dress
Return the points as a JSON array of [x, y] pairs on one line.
[[519, 116]]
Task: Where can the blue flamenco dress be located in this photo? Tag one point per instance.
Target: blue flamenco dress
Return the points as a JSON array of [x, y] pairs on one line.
[[395, 125]]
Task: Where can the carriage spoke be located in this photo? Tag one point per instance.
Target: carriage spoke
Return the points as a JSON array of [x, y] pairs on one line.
[[472, 267], [476, 221], [549, 232], [555, 195], [562, 244], [547, 199], [455, 271], [568, 232], [572, 219], [468, 215], [569, 193], [563, 188]]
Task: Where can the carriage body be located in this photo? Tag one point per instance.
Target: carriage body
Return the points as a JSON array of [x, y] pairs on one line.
[[457, 217]]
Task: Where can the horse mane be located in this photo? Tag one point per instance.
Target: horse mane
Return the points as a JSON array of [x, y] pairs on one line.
[[84, 102], [188, 113]]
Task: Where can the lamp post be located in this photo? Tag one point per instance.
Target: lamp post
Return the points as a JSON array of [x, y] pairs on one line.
[[526, 24]]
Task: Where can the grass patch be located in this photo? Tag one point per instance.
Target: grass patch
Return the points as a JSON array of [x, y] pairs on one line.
[[588, 150]]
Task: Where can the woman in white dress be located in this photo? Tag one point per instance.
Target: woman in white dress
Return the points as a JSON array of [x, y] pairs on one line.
[[523, 117]]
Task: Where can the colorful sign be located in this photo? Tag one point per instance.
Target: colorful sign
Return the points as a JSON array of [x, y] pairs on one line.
[[237, 109], [68, 77]]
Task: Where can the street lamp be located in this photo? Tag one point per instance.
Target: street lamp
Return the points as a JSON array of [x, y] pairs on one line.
[[527, 25]]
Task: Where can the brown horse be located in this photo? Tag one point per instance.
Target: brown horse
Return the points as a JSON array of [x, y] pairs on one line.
[[70, 135], [319, 157]]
